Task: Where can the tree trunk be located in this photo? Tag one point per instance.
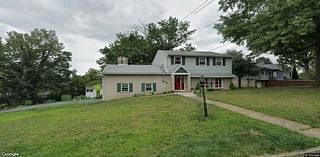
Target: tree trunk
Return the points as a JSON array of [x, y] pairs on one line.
[[317, 52], [239, 82], [306, 72]]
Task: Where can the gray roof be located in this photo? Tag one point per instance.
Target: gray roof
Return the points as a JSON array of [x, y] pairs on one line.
[[270, 66], [156, 70], [197, 71], [194, 53], [132, 69]]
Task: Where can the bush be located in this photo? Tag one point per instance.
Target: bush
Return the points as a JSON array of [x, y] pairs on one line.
[[27, 102], [81, 97], [98, 89], [66, 97], [49, 101], [99, 96], [231, 86], [210, 89], [197, 87], [138, 95], [4, 106]]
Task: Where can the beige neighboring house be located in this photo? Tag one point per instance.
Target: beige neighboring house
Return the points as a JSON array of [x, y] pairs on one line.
[[169, 71]]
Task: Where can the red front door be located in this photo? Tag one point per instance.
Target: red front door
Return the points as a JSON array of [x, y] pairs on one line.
[[178, 82]]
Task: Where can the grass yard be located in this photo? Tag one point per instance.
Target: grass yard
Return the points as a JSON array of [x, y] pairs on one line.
[[142, 126], [301, 104]]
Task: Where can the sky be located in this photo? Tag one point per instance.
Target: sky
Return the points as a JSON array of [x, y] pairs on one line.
[[85, 26]]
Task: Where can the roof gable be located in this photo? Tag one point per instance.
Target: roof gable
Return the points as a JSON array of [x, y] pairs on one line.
[[181, 70]]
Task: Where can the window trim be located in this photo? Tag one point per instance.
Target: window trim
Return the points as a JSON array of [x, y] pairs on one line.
[[145, 87], [175, 60], [211, 83], [205, 61], [127, 87], [221, 61]]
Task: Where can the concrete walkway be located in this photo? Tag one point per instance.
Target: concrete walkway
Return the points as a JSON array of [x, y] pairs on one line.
[[291, 125]]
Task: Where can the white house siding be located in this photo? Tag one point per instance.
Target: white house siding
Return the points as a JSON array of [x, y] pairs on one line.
[[191, 66], [90, 94], [110, 84], [225, 81], [245, 83]]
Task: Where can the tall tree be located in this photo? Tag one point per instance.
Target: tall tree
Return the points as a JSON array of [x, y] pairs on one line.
[[280, 27], [93, 76], [295, 75], [242, 66], [77, 85], [141, 44], [188, 47], [304, 60], [263, 60], [31, 64]]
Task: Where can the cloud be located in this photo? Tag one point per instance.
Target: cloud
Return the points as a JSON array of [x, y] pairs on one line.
[[85, 26]]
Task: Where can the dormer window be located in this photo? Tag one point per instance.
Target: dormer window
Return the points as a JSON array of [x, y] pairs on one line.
[[219, 61], [177, 60], [202, 60]]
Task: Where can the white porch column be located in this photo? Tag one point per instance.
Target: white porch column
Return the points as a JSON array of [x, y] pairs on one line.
[[189, 82], [172, 82]]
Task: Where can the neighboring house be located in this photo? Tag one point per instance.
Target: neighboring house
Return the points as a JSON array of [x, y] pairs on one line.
[[169, 71], [266, 72], [91, 92], [272, 72]]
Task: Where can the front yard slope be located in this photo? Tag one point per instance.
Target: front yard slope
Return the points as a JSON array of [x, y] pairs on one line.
[[142, 126], [301, 104]]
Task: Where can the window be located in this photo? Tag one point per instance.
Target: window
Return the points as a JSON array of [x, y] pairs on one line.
[[89, 90], [213, 83], [177, 60], [148, 87], [202, 60], [219, 61], [218, 83], [125, 87]]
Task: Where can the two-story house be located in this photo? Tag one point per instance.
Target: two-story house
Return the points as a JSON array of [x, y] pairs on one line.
[[169, 71]]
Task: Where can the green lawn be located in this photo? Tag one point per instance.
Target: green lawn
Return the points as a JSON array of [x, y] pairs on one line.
[[142, 126], [300, 104]]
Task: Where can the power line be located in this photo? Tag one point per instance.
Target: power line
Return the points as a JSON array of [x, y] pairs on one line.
[[203, 7], [221, 46], [204, 26], [194, 10]]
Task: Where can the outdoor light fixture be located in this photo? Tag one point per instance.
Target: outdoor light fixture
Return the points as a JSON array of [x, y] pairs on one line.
[[202, 84]]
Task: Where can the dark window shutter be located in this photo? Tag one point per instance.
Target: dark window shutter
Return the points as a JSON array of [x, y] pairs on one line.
[[208, 60], [197, 60], [130, 87], [154, 87], [118, 87], [143, 87], [214, 61], [172, 60], [183, 60], [224, 61]]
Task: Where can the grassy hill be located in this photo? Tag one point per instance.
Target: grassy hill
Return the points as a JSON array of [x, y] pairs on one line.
[[142, 126]]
